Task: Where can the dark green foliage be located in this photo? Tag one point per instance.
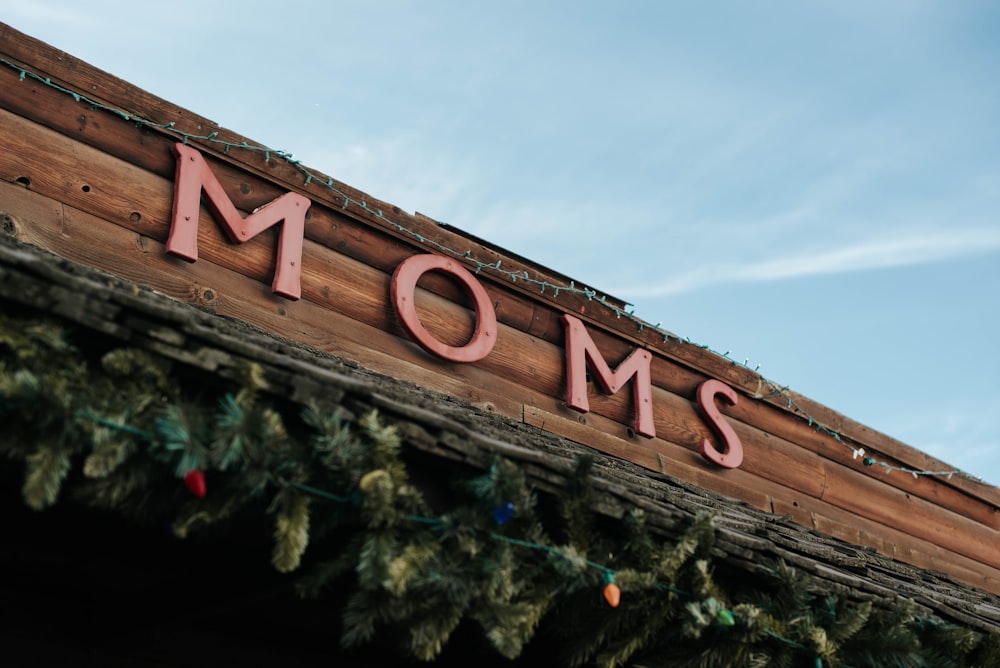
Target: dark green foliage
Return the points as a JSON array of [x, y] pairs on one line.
[[498, 555]]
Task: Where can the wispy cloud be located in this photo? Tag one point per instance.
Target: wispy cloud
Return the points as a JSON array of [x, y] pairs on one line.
[[880, 254], [395, 168]]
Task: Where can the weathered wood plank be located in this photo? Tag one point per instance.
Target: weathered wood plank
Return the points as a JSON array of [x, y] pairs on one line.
[[891, 542], [867, 498], [658, 454]]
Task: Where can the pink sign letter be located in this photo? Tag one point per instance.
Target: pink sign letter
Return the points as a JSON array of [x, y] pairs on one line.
[[581, 349], [194, 175]]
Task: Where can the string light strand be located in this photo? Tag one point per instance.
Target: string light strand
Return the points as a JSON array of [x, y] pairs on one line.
[[310, 177]]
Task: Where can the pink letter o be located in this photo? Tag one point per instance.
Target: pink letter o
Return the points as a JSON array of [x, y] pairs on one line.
[[402, 289]]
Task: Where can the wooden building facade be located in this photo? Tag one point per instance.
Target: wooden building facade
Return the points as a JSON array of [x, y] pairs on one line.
[[165, 229]]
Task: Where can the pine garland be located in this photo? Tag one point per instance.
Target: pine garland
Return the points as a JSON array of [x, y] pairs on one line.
[[521, 566]]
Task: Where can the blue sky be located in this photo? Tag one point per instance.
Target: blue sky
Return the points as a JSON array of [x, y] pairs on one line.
[[812, 187]]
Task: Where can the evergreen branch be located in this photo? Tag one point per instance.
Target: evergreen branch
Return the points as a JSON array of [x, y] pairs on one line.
[[291, 531], [342, 488], [46, 469]]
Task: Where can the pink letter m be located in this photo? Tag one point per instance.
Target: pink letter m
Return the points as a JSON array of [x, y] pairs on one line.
[[194, 175], [581, 349]]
